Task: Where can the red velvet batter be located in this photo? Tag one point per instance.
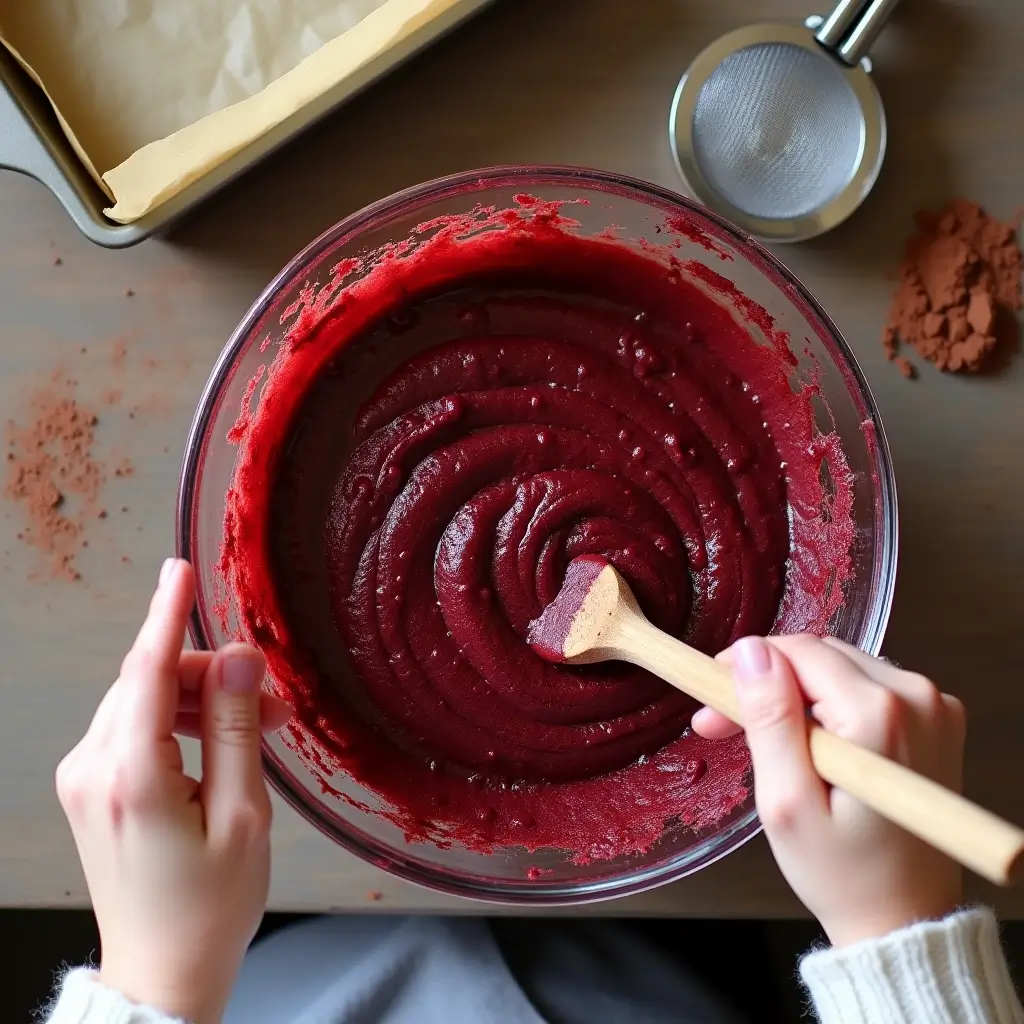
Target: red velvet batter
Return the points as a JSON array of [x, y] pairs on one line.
[[437, 440]]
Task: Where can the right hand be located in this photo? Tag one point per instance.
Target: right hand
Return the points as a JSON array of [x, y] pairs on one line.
[[860, 875]]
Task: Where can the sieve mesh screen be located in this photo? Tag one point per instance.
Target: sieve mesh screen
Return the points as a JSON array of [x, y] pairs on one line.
[[777, 130]]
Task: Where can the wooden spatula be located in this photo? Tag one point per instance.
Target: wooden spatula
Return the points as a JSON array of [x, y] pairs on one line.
[[596, 618]]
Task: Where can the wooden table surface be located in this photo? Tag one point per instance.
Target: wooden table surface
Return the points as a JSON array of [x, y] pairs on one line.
[[578, 81]]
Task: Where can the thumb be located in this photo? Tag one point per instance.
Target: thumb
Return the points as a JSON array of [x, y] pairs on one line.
[[232, 768], [786, 786]]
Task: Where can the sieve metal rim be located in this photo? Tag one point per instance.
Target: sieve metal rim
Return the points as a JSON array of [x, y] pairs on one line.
[[793, 229]]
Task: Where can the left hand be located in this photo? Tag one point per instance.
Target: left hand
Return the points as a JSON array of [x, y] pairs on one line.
[[178, 869]]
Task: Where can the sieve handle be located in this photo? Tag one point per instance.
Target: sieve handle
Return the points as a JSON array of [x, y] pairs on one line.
[[837, 25], [853, 26]]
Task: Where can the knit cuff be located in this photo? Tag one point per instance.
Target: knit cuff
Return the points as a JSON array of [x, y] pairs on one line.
[[937, 972], [83, 1000]]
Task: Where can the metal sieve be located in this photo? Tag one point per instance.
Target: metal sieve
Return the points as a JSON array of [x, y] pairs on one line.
[[780, 127]]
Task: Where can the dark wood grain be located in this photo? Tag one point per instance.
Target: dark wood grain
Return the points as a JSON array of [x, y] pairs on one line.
[[578, 81]]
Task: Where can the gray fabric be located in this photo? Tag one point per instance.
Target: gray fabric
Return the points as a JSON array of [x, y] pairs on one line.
[[360, 970], [381, 970], [604, 972]]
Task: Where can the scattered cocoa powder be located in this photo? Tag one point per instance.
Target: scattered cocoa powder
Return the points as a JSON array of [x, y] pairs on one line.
[[53, 474], [905, 366], [960, 283], [53, 469]]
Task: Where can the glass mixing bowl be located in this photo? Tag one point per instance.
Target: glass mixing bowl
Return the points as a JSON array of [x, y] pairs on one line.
[[639, 214]]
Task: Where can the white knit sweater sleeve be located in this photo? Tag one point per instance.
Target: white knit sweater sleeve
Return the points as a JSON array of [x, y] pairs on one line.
[[937, 972], [83, 1000]]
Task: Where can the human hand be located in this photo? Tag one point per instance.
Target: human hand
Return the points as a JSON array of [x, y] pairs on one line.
[[860, 875], [177, 869]]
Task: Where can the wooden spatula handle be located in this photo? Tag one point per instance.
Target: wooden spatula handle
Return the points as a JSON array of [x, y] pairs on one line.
[[962, 830], [978, 839]]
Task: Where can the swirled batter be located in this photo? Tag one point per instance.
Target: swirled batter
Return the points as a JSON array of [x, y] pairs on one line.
[[431, 451]]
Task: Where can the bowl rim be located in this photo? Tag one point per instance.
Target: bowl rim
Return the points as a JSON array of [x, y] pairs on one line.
[[537, 893]]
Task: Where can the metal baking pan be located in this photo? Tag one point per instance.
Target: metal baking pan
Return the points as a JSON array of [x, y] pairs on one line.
[[31, 140]]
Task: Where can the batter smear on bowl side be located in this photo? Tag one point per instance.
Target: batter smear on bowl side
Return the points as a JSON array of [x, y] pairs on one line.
[[448, 424]]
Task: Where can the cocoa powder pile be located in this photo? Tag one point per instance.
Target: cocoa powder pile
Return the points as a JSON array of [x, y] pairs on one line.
[[960, 284], [53, 475]]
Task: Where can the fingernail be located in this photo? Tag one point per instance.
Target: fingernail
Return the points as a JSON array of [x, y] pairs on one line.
[[165, 571], [241, 672], [751, 658]]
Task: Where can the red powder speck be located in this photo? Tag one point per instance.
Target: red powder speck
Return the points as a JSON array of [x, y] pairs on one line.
[[125, 468], [906, 367], [54, 476], [375, 896]]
